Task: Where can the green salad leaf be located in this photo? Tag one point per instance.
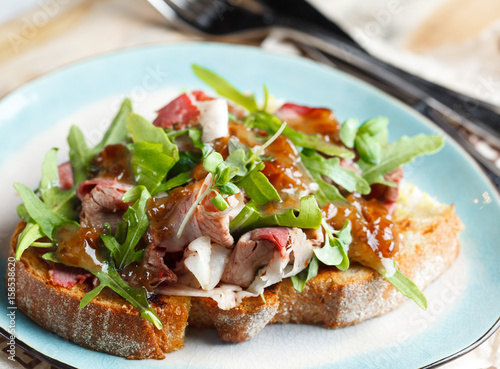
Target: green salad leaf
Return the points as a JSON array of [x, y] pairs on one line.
[[271, 123], [319, 166], [299, 280], [141, 130], [81, 155], [404, 285], [258, 188], [61, 202], [195, 135], [398, 153], [327, 193], [117, 131], [30, 234], [136, 296], [348, 132], [137, 224], [224, 88], [50, 256], [47, 220], [371, 139], [150, 164], [309, 217], [54, 207], [334, 251], [178, 180]]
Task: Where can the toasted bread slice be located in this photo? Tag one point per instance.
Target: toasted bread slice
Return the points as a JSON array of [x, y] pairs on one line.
[[108, 323], [333, 298]]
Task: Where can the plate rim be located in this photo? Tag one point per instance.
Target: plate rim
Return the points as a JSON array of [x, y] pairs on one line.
[[408, 109]]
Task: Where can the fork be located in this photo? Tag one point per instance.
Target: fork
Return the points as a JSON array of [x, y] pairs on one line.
[[238, 19]]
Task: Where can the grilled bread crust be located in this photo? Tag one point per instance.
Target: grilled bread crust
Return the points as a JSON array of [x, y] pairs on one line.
[[333, 298]]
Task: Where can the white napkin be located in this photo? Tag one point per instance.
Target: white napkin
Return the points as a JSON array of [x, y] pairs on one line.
[[384, 27]]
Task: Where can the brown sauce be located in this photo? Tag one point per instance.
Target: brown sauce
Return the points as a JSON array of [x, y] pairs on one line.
[[161, 210], [284, 170], [314, 121], [79, 247], [374, 234], [114, 163]]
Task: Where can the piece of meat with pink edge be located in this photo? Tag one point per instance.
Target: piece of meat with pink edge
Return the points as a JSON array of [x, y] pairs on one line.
[[65, 276], [181, 112], [65, 176], [167, 214], [253, 251], [102, 202]]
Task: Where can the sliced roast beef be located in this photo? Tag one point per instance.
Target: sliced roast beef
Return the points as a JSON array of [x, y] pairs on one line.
[[254, 250], [181, 112], [167, 214], [102, 202], [65, 176], [65, 276], [277, 252], [150, 272], [310, 120]]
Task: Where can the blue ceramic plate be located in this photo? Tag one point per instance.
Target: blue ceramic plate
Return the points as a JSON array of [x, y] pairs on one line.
[[464, 304]]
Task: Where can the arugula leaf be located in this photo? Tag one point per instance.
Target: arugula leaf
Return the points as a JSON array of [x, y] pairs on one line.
[[61, 202], [319, 166], [49, 184], [249, 167], [212, 162], [80, 154], [266, 98], [271, 123], [30, 234], [224, 88], [348, 132], [309, 217], [368, 149], [222, 172], [299, 280], [136, 296], [66, 204], [137, 224], [404, 285], [398, 153], [50, 256], [219, 202], [258, 187], [117, 132], [172, 183], [52, 200], [195, 136], [371, 139], [327, 192], [334, 251], [150, 164], [238, 158], [47, 219], [187, 162], [141, 130], [376, 128], [222, 175]]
